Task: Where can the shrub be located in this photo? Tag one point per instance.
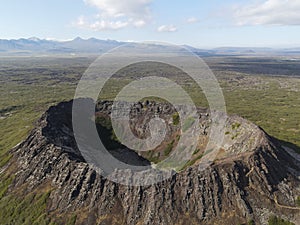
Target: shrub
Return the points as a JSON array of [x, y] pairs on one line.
[[176, 119], [196, 151], [298, 201], [251, 222], [169, 148], [274, 220]]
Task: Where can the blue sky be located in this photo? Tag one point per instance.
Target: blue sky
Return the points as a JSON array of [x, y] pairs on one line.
[[214, 23]]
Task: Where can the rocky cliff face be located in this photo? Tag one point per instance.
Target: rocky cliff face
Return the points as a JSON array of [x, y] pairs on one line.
[[253, 177]]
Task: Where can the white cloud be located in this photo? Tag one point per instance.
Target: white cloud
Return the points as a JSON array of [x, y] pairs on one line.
[[117, 14], [268, 12], [192, 20], [139, 23], [108, 25], [167, 28], [101, 24]]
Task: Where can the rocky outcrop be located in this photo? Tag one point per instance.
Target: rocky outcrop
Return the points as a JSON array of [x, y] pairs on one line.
[[253, 179]]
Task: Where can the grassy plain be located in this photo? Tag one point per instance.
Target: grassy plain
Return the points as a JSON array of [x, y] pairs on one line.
[[28, 87]]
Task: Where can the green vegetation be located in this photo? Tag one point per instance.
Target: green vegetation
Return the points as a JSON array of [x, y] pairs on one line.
[[176, 119], [235, 136], [72, 220], [191, 162], [105, 122], [251, 222], [27, 210], [169, 148], [153, 157], [273, 106], [28, 88], [4, 159], [106, 133], [196, 151], [235, 126], [278, 221], [298, 201], [5, 182]]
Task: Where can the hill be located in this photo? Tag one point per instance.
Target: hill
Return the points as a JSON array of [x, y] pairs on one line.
[[252, 178]]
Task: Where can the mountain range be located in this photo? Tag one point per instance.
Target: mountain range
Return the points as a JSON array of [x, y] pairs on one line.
[[92, 46], [38, 46]]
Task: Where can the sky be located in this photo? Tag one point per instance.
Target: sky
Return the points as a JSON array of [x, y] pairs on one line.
[[200, 23]]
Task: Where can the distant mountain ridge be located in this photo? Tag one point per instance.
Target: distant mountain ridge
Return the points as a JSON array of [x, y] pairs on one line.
[[41, 46], [78, 46]]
